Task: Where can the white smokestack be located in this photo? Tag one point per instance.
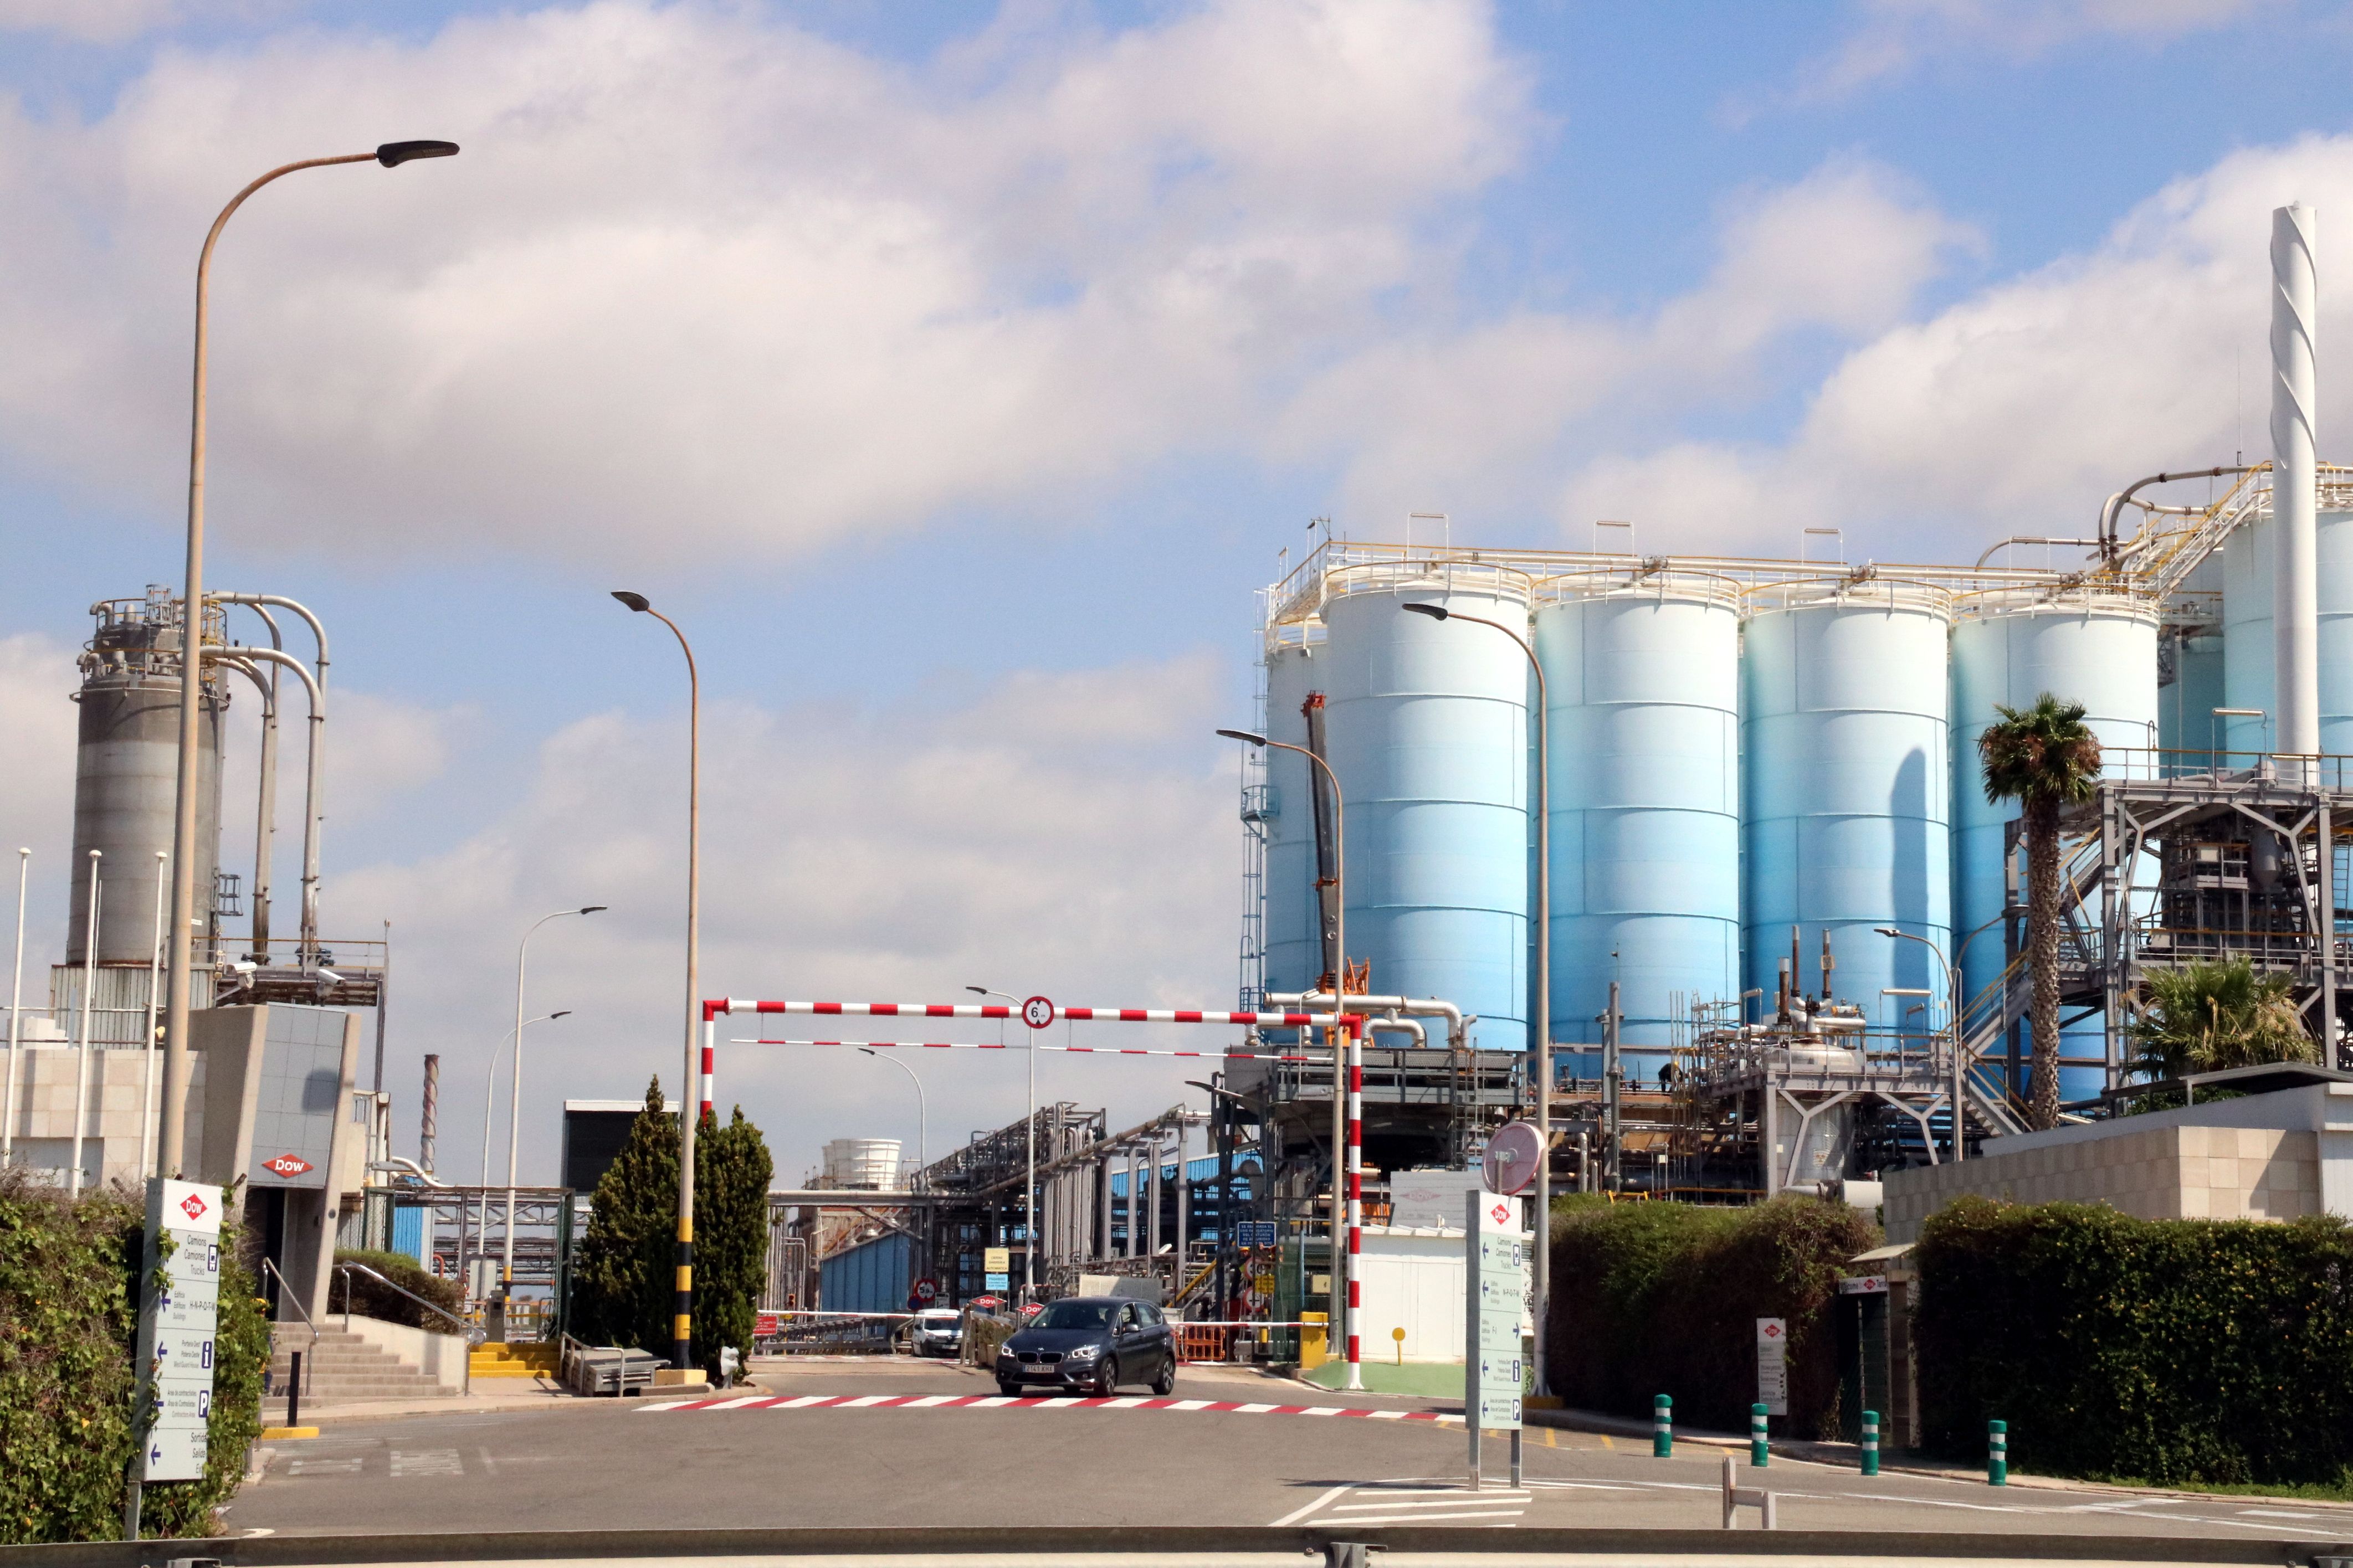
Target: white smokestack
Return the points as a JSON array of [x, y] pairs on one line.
[[2295, 497]]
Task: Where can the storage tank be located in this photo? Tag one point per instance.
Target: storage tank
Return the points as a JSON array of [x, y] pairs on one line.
[[1293, 959], [1428, 730], [126, 777], [869, 1163], [1844, 773], [2189, 669], [2249, 655], [2098, 648], [1642, 723]]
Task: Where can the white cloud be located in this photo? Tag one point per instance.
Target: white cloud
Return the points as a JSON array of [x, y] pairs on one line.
[[1062, 835], [2019, 407], [1890, 38], [1476, 416], [37, 679], [696, 279]]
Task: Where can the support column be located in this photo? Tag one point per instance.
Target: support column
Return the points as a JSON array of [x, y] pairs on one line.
[[2331, 1046], [1184, 1203]]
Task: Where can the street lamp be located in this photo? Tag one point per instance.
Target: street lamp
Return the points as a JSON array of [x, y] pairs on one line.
[[490, 1102], [1030, 1189], [171, 1148], [1342, 1266], [683, 1318], [1543, 1269], [514, 1086], [1953, 1010]]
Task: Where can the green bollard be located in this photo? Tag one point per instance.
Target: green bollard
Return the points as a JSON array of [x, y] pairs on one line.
[[1871, 1442], [1758, 1452], [1996, 1453], [1663, 1427]]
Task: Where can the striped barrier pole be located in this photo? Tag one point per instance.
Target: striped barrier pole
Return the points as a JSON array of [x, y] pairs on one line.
[[1759, 1454], [1356, 1194], [1663, 1427], [1871, 1442], [1996, 1453]]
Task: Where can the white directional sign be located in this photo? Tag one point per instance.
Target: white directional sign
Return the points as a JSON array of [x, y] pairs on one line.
[[1773, 1365], [177, 1320], [1496, 1281]]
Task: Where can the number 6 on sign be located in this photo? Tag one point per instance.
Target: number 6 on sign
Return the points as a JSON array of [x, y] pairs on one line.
[[1037, 1012]]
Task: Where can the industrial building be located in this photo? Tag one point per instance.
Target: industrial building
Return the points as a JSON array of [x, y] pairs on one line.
[[1772, 867]]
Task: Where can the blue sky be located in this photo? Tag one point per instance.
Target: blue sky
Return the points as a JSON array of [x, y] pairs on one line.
[[955, 373]]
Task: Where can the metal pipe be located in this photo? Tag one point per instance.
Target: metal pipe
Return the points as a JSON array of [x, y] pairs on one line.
[[88, 995], [15, 1011], [265, 828], [314, 760], [1457, 1031], [2040, 538], [147, 1047], [2295, 496], [514, 1086], [429, 1126]]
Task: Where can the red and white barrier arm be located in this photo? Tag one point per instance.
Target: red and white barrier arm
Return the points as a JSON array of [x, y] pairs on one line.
[[1076, 1051], [1355, 1070], [717, 1005]]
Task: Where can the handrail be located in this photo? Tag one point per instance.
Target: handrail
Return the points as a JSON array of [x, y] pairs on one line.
[[286, 1294], [472, 1333]]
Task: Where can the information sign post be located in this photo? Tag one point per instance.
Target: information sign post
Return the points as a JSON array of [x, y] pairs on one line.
[[1773, 1365], [1496, 1279], [179, 1311]]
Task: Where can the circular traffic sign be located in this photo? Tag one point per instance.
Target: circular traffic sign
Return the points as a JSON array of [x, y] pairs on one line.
[[926, 1292], [1511, 1154], [1037, 1012]]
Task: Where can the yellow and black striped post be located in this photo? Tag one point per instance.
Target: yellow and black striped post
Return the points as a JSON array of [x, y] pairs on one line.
[[682, 1323]]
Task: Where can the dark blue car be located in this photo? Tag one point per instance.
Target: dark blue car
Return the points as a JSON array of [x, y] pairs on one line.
[[1090, 1343]]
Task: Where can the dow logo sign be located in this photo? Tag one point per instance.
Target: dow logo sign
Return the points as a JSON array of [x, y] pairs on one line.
[[194, 1206], [287, 1165]]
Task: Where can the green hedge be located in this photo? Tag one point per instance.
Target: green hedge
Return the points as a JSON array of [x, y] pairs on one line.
[[69, 1327], [371, 1300], [1663, 1298], [2159, 1350]]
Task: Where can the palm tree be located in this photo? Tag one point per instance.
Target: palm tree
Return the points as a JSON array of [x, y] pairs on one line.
[[2204, 1017], [2044, 757]]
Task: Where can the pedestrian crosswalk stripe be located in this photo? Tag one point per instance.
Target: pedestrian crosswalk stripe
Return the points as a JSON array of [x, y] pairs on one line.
[[1031, 1402]]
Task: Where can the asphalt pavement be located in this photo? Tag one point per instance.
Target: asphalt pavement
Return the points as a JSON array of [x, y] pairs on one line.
[[623, 1464]]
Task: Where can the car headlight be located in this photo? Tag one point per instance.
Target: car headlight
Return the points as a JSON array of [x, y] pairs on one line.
[[1084, 1353]]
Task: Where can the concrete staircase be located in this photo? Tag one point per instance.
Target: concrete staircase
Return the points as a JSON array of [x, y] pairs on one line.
[[522, 1359], [341, 1368]]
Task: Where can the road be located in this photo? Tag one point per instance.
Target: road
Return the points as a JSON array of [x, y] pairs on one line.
[[602, 1465]]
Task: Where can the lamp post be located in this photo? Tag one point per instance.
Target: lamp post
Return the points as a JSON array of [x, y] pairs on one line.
[[514, 1086], [15, 1011], [171, 1147], [1953, 1012], [1029, 1188], [902, 1066], [1543, 1268], [683, 1319], [1344, 1209], [490, 1102]]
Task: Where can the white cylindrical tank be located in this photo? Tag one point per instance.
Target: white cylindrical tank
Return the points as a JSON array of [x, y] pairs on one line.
[[1844, 772], [1643, 688], [872, 1163], [1293, 959], [2010, 647], [2249, 658], [2190, 671], [1428, 729]]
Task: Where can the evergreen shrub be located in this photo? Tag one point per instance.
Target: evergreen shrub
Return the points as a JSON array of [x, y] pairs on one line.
[[2169, 1351], [1663, 1298], [69, 1329]]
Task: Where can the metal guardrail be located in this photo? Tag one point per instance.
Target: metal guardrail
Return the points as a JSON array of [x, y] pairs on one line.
[[286, 1294], [1143, 1543]]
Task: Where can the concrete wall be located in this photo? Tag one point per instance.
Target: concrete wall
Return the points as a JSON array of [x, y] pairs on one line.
[[442, 1357], [2263, 1157], [115, 1091]]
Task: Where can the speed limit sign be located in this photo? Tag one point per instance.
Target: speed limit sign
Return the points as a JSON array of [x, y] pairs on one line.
[[1037, 1012]]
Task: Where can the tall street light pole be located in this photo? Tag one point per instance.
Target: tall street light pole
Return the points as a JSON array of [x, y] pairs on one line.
[[1344, 1205], [482, 1187], [902, 1066], [171, 1148], [1543, 1269], [1030, 1189], [515, 1087], [683, 1318]]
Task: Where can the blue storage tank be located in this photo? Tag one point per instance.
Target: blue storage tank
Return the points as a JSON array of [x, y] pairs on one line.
[[1642, 723], [1426, 726], [1293, 956], [2335, 554], [2009, 648], [2249, 672], [2186, 703], [1845, 774]]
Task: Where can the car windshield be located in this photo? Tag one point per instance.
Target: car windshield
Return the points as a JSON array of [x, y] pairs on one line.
[[1076, 1315]]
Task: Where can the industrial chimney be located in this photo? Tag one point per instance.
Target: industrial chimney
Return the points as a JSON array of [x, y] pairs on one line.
[[2296, 497]]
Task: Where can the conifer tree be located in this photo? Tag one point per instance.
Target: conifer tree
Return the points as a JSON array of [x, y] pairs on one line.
[[732, 1168], [622, 1283]]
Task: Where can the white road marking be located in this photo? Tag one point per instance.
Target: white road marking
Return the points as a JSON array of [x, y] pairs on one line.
[[802, 1403], [427, 1462], [993, 1402], [862, 1401], [1295, 1515], [925, 1402], [1426, 1518], [1127, 1402], [1460, 1499], [2274, 1513], [1252, 1409], [324, 1468], [737, 1404], [1190, 1404]]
